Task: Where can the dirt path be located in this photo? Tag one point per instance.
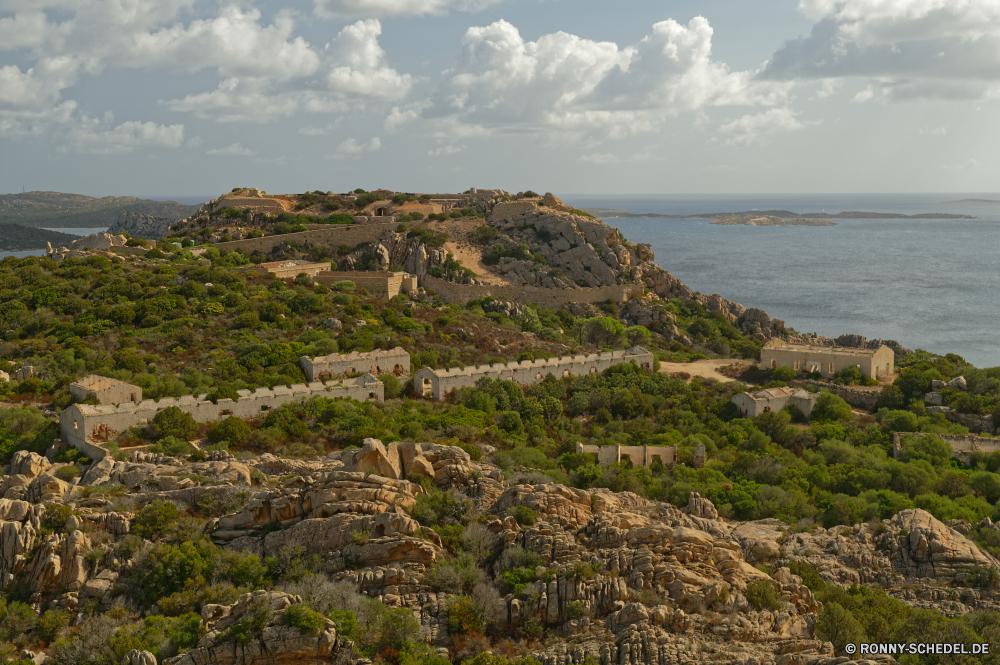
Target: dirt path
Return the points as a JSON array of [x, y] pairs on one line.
[[706, 369]]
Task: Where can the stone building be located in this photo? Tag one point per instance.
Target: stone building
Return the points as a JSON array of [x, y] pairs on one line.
[[286, 269], [437, 383], [107, 391], [962, 445], [389, 361], [86, 426], [827, 360], [774, 399], [377, 283], [639, 455]]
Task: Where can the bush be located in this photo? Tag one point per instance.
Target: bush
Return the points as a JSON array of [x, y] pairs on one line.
[[171, 421], [837, 625], [762, 594], [50, 624], [305, 618], [68, 473], [172, 446], [525, 516], [829, 408], [232, 429], [154, 519]]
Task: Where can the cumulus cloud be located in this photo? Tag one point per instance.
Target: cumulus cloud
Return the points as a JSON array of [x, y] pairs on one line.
[[446, 150], [233, 149], [751, 129], [501, 82], [911, 49], [599, 158], [351, 148], [103, 137], [863, 96], [337, 8]]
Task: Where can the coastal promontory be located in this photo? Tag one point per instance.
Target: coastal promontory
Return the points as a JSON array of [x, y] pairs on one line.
[[770, 220]]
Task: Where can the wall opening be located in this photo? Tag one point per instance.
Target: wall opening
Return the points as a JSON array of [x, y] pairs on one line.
[[774, 364], [796, 365], [831, 368]]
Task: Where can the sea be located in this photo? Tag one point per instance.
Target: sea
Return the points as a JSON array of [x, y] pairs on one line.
[[930, 284], [71, 231]]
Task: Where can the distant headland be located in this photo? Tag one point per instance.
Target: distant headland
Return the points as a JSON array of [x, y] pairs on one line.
[[770, 220], [609, 213]]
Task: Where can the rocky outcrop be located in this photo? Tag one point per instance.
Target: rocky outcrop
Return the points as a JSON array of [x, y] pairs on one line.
[[138, 225], [275, 643], [920, 546]]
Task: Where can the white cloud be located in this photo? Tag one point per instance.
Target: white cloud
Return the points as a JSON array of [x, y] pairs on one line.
[[863, 96], [351, 148], [914, 49], [933, 131], [337, 8], [358, 64], [751, 129], [446, 150], [599, 158], [104, 138], [563, 82], [967, 165], [234, 149]]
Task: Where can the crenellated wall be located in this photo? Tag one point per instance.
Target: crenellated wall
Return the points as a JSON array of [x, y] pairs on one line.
[[84, 425], [333, 234], [437, 383], [638, 455], [555, 298]]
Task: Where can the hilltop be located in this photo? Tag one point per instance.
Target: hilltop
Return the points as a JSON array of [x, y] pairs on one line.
[[179, 488], [58, 210]]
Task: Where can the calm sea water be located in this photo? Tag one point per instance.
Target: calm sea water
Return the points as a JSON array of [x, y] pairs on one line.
[[71, 231], [930, 284]]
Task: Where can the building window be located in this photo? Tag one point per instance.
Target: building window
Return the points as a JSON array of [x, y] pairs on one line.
[[796, 365], [831, 368], [774, 364]]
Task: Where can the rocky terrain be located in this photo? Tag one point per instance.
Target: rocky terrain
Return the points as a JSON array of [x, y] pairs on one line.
[[139, 225], [591, 577]]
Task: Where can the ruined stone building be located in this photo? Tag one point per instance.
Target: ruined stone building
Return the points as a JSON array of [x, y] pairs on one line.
[[377, 283], [774, 399], [437, 383], [286, 269], [86, 426], [107, 391], [388, 361], [639, 455], [827, 360], [962, 445]]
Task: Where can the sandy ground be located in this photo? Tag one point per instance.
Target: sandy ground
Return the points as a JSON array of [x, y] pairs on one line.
[[461, 244], [706, 369]]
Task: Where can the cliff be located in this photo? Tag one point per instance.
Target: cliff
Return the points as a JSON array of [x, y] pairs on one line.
[[139, 225]]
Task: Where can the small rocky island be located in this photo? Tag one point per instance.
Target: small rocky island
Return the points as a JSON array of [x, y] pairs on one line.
[[771, 220]]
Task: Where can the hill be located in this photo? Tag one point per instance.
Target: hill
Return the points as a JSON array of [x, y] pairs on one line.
[[18, 238], [770, 220], [59, 210]]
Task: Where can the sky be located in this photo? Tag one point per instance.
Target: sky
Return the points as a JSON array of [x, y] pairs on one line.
[[194, 97]]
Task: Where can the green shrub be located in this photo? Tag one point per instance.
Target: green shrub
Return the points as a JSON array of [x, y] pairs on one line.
[[50, 624], [763, 594], [305, 618], [171, 421], [525, 516], [172, 446], [232, 429], [155, 519], [68, 473]]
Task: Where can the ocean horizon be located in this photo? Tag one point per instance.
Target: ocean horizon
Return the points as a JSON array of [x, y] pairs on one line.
[[926, 283]]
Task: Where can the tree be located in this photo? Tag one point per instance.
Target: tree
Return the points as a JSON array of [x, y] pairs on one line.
[[171, 421], [232, 429], [603, 331], [637, 336], [837, 625], [829, 407], [891, 397], [154, 519]]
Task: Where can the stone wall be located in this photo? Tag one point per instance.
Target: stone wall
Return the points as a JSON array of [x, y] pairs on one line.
[[384, 284], [827, 360], [392, 361], [286, 269], [856, 396], [555, 298], [773, 399], [107, 391], [962, 445], [268, 205], [512, 209], [83, 425], [639, 455], [437, 383], [332, 234]]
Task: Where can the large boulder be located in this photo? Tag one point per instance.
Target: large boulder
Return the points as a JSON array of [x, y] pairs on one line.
[[921, 546]]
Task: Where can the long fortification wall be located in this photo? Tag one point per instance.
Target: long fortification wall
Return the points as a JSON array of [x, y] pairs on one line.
[[385, 284], [437, 383], [83, 425], [857, 397], [556, 298], [392, 361], [638, 455], [267, 205], [962, 445], [333, 234]]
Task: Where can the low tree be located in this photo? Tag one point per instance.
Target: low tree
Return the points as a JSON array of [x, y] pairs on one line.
[[837, 625], [603, 331], [637, 336], [172, 421]]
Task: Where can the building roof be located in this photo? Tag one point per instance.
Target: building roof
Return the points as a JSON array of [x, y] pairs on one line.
[[97, 383], [772, 393], [809, 348], [288, 264]]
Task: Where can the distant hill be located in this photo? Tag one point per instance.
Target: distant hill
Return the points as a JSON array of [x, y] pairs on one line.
[[55, 209], [771, 220], [17, 238]]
